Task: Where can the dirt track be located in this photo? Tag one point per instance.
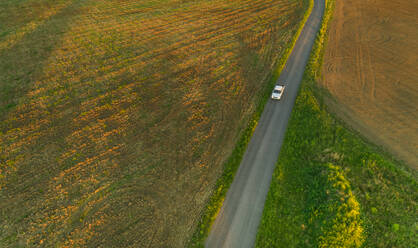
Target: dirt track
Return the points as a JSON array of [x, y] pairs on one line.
[[370, 68]]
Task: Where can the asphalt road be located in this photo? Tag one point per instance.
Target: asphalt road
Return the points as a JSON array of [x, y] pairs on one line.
[[237, 222]]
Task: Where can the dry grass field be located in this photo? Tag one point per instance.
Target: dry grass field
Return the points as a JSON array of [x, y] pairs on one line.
[[370, 69], [116, 115]]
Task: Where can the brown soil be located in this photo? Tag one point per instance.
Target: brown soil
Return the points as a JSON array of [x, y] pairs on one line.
[[370, 69]]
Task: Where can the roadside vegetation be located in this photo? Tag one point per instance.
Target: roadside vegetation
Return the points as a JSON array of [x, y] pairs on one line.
[[332, 188], [217, 197], [117, 116]]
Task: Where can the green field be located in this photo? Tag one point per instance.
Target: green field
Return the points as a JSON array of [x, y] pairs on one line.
[[332, 188], [117, 116]]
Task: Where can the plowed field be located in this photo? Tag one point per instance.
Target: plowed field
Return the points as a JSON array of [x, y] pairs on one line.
[[370, 69], [116, 116]]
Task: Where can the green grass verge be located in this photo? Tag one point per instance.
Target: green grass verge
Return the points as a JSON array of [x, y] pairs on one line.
[[331, 188], [230, 167]]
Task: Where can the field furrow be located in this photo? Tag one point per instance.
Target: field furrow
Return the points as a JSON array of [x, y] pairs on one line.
[[110, 128]]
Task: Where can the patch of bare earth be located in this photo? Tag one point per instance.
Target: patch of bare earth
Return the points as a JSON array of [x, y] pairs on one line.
[[370, 69]]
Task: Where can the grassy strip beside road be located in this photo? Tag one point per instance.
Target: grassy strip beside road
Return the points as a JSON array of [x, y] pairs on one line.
[[230, 167], [331, 188]]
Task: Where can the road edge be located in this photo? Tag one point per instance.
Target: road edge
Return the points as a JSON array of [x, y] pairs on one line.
[[230, 167], [312, 69]]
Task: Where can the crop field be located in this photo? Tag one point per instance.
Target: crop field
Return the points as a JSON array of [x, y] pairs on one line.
[[370, 69], [116, 116]]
